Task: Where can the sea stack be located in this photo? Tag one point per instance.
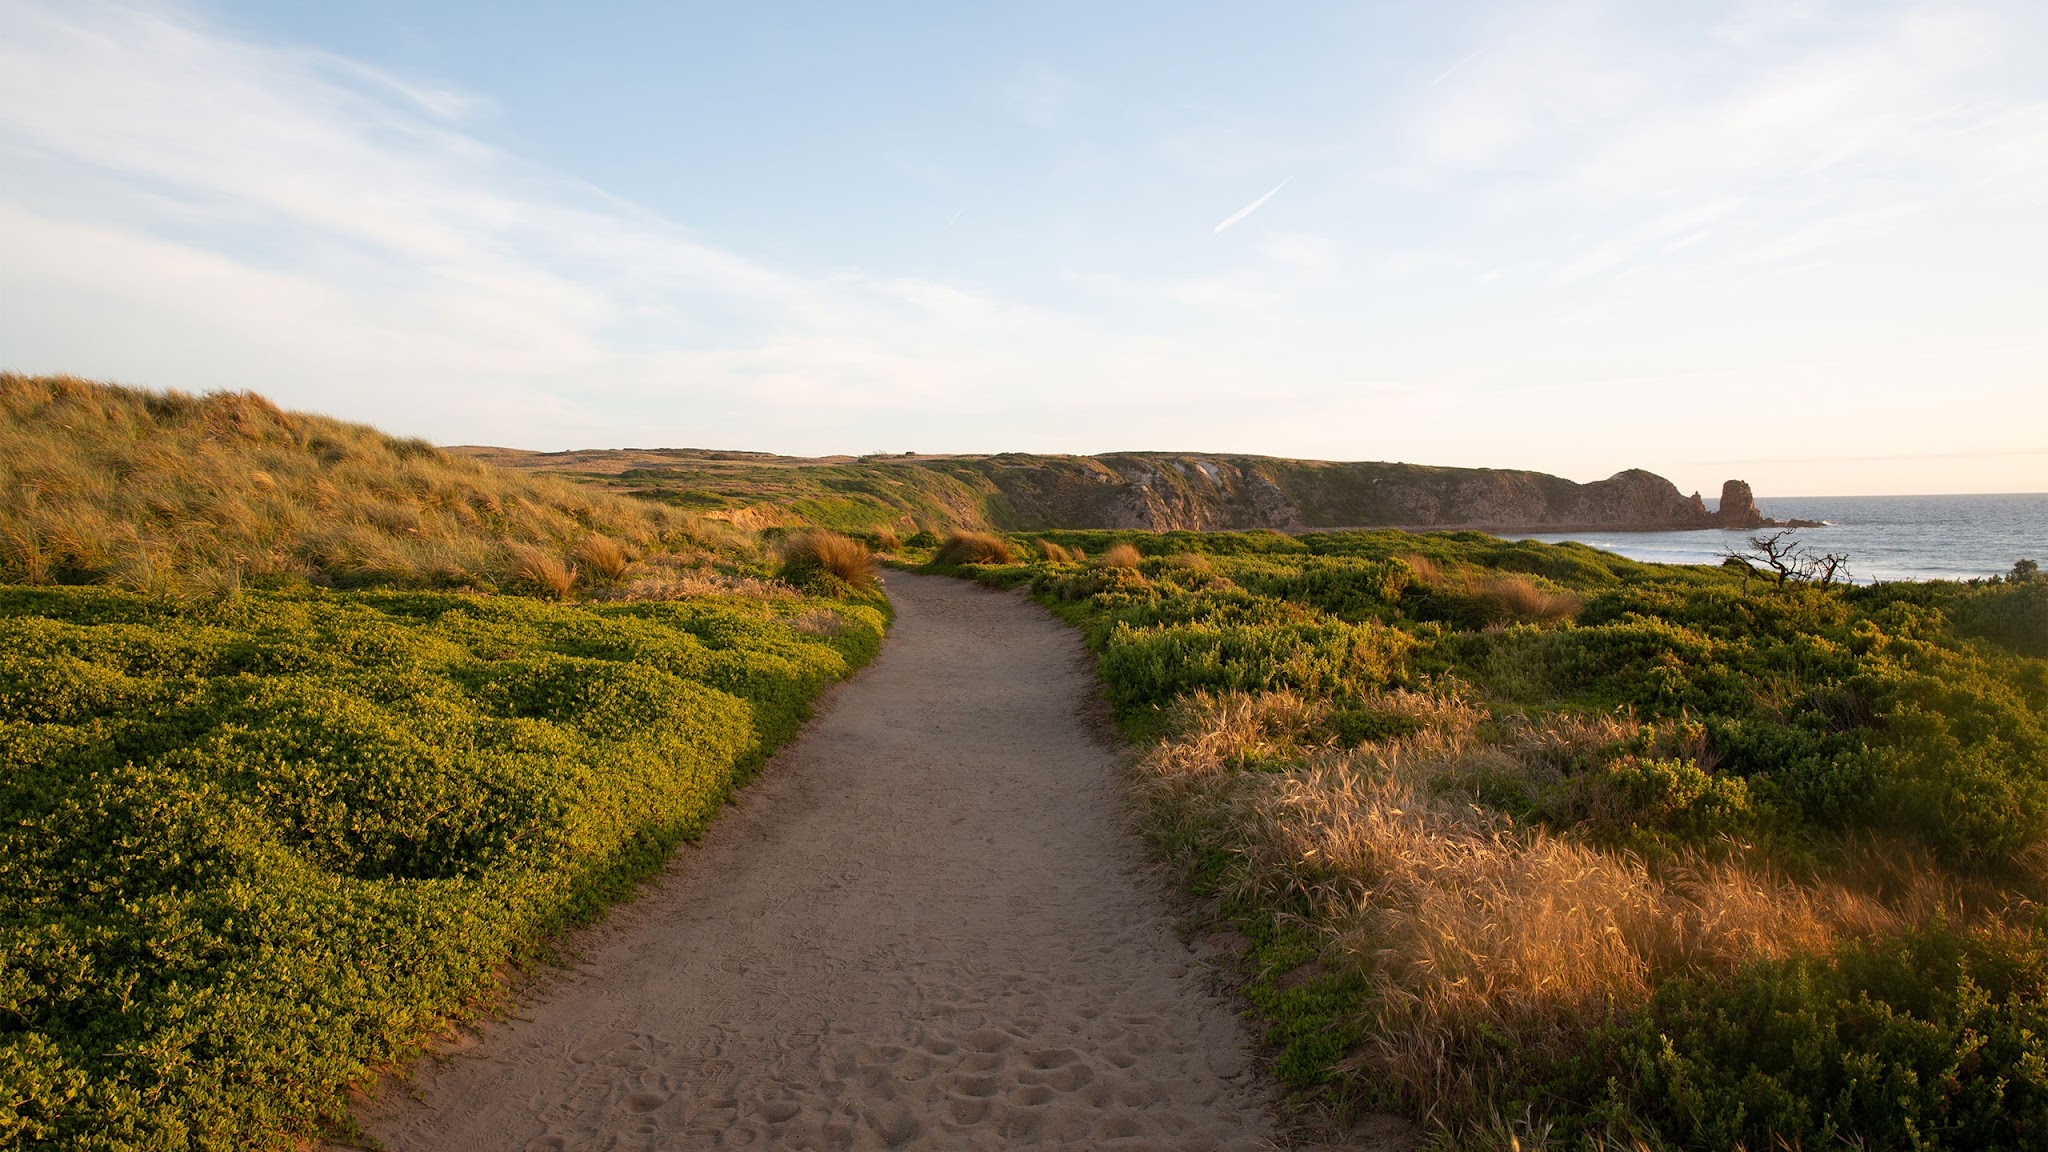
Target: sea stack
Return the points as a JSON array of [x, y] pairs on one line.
[[1738, 507]]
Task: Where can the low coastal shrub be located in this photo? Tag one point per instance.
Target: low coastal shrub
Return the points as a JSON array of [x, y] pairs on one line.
[[1547, 847], [250, 855], [2014, 617]]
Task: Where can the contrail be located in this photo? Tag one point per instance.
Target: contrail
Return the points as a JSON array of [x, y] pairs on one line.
[[1452, 70], [954, 220], [1254, 206]]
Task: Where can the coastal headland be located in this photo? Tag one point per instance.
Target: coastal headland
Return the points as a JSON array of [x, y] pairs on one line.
[[1158, 491]]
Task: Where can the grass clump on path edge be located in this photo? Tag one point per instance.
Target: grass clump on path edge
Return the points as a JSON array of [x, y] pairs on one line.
[[1546, 848]]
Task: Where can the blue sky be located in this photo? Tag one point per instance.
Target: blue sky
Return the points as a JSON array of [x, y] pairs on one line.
[[1797, 242]]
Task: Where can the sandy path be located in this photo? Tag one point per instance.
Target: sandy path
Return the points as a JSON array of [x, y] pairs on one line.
[[924, 928]]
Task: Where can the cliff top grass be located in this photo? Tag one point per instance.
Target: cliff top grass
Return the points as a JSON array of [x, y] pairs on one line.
[[165, 492]]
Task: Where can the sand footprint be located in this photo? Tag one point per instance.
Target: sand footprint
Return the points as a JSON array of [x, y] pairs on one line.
[[986, 1040]]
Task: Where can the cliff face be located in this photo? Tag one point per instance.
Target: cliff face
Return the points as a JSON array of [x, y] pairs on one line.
[[1170, 490], [1153, 490]]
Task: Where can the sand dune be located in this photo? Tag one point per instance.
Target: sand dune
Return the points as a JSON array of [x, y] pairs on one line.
[[924, 928]]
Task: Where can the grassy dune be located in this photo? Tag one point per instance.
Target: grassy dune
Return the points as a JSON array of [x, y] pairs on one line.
[[169, 493], [1543, 846], [284, 784]]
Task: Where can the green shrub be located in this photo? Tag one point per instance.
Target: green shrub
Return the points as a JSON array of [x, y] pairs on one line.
[[2014, 617], [1937, 1039], [249, 857], [1674, 796], [1156, 665]]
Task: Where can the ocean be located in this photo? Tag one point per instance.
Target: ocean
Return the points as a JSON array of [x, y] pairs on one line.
[[1886, 537]]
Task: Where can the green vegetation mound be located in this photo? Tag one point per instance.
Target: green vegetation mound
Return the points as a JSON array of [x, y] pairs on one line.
[[249, 857], [1545, 846]]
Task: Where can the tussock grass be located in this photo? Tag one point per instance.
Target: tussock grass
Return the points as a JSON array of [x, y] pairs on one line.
[[809, 556], [542, 570], [163, 492], [973, 548], [602, 557], [1058, 554], [1120, 555], [1522, 598], [1492, 596]]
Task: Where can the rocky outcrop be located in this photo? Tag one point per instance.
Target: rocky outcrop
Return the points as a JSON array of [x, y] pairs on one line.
[[1738, 507], [1738, 510]]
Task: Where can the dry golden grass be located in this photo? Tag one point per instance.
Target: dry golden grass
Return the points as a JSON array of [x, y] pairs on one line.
[[165, 491], [1473, 928], [1425, 569], [543, 570], [1512, 594], [603, 557], [1524, 599], [974, 548], [886, 540], [1120, 555], [817, 551], [657, 584], [1056, 553], [819, 622]]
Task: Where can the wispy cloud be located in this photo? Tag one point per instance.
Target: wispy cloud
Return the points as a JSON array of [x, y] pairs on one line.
[[1748, 134], [331, 234], [1252, 207]]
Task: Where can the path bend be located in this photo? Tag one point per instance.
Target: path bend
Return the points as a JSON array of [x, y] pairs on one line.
[[924, 927]]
